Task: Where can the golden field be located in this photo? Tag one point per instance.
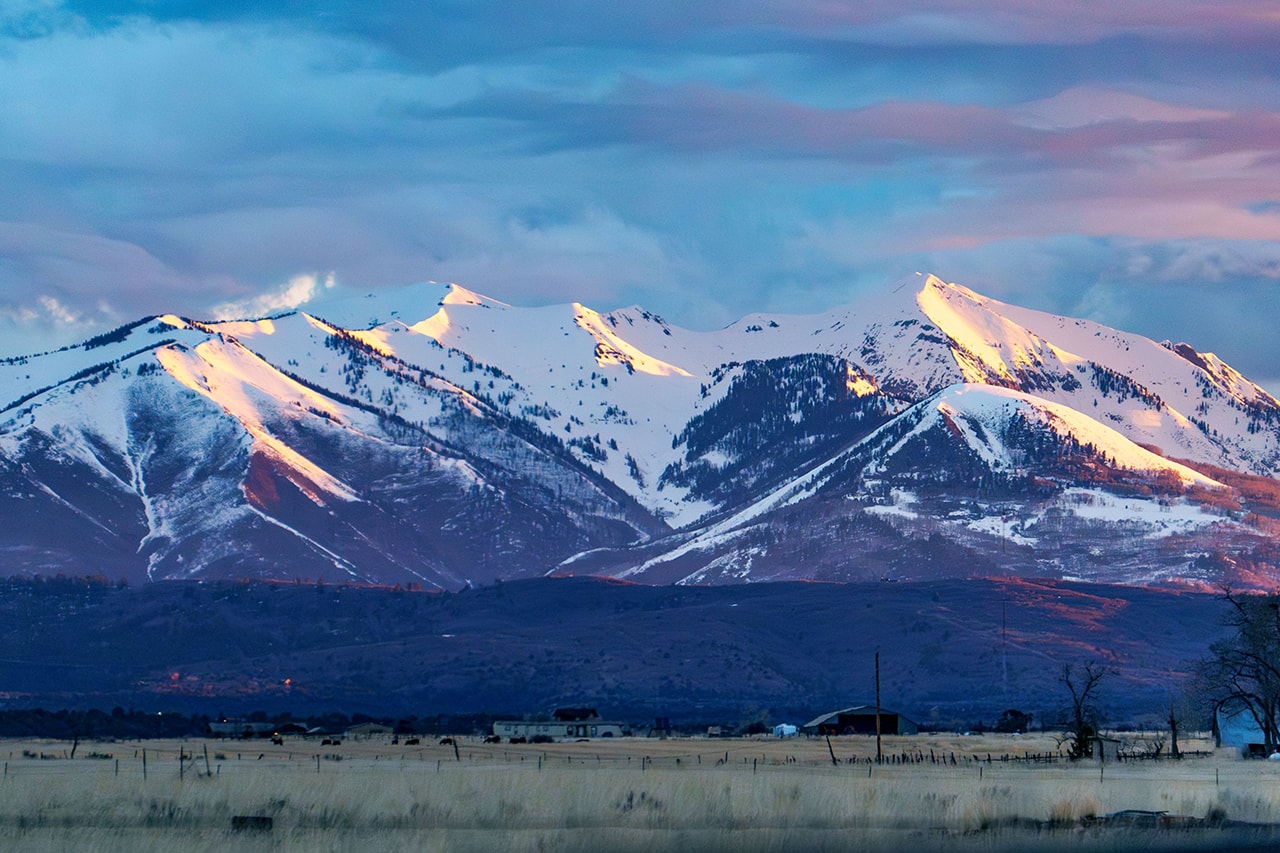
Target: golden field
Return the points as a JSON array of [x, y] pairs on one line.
[[684, 794]]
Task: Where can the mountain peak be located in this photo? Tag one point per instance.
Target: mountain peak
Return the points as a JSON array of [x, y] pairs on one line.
[[459, 295]]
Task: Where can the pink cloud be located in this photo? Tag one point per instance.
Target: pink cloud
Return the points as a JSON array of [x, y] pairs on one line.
[[1031, 21]]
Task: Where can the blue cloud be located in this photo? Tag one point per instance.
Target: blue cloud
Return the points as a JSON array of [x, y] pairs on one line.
[[703, 159]]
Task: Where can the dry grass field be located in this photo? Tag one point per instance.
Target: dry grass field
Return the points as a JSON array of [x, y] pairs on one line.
[[684, 794]]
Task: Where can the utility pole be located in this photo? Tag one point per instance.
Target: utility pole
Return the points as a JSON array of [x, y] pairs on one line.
[[879, 754], [1004, 647]]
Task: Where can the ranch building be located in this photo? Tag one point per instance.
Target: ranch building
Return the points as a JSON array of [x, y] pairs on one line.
[[564, 723], [364, 731], [241, 729], [861, 720]]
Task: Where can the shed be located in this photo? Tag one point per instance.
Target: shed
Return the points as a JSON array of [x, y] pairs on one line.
[[861, 720], [1106, 750]]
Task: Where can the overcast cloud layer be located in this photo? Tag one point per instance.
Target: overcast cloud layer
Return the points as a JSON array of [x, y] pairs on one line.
[[704, 159]]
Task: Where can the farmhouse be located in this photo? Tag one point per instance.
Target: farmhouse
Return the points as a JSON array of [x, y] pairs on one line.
[[861, 720], [564, 723]]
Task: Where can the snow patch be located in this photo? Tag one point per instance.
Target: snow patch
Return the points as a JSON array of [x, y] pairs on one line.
[[1160, 518]]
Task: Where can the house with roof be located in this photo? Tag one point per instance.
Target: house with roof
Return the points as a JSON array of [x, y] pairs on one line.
[[564, 723]]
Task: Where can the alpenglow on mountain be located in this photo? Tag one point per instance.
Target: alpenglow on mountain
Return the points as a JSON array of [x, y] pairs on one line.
[[434, 436]]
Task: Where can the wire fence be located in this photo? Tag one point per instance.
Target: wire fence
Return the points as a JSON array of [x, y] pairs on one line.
[[213, 758]]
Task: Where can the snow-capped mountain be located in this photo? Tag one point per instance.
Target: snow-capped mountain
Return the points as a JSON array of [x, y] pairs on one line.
[[432, 435]]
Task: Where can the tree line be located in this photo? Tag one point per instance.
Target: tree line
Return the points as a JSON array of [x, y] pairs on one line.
[[133, 724]]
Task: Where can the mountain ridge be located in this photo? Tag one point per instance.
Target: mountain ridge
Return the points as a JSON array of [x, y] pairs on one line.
[[434, 435], [952, 652]]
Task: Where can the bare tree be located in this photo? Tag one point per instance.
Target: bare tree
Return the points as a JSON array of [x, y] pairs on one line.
[[1083, 716], [1175, 723], [1245, 666], [1190, 704]]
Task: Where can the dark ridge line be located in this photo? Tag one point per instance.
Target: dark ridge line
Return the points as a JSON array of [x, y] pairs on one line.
[[87, 372]]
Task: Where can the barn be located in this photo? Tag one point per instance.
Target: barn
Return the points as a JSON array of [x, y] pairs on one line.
[[861, 720]]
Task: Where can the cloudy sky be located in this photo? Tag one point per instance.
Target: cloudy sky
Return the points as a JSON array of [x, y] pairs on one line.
[[703, 158]]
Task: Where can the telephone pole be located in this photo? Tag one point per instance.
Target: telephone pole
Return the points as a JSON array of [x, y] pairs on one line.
[[879, 754]]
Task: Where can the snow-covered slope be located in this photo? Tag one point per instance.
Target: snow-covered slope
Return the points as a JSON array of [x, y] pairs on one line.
[[985, 419], [980, 465], [434, 435]]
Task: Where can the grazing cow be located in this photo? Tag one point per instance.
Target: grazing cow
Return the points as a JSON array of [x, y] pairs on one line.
[[493, 739], [413, 741], [519, 740], [446, 741]]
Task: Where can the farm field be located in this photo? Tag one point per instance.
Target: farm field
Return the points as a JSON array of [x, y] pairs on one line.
[[626, 794]]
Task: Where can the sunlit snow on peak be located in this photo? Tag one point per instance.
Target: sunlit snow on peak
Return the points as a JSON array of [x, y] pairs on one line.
[[612, 349], [988, 342], [459, 295], [243, 384], [993, 406]]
